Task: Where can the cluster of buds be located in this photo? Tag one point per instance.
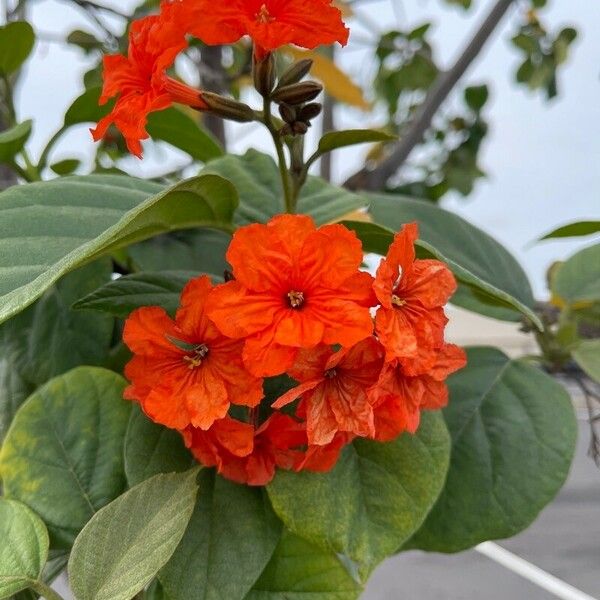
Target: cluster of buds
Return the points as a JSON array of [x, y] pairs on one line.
[[293, 96]]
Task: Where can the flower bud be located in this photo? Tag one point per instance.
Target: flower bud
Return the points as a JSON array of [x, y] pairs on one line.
[[297, 93], [310, 111], [300, 127], [288, 113], [295, 72], [264, 75], [228, 108]]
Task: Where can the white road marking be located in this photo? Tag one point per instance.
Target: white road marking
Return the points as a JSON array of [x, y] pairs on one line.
[[534, 574]]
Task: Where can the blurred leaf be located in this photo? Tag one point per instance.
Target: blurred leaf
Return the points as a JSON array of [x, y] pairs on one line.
[[340, 139], [96, 215], [373, 500], [16, 43], [178, 129], [66, 167], [336, 83], [514, 433], [577, 280], [24, 547], [126, 543], [229, 541], [86, 108], [477, 96], [587, 356], [63, 455], [86, 41], [151, 449], [13, 140], [578, 229], [299, 571]]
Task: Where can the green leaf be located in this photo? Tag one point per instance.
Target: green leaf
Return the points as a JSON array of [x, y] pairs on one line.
[[301, 571], [180, 130], [63, 455], [126, 543], [16, 43], [257, 179], [66, 167], [340, 139], [578, 229], [477, 96], [48, 229], [13, 140], [24, 547], [476, 291], [86, 108], [373, 500], [577, 280], [587, 356], [48, 339], [229, 541], [196, 250], [122, 296], [513, 434], [86, 41], [151, 449]]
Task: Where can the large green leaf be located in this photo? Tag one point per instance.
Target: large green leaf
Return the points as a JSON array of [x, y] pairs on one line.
[[374, 499], [181, 131], [16, 43], [257, 179], [193, 250], [151, 449], [229, 541], [48, 339], [577, 229], [48, 229], [460, 242], [125, 544], [577, 281], [23, 547], [13, 140], [340, 139], [63, 455], [474, 293], [587, 356], [513, 434], [300, 570], [122, 296]]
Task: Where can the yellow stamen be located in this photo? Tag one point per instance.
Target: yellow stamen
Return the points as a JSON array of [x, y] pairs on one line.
[[397, 301], [296, 299], [193, 361], [263, 15]]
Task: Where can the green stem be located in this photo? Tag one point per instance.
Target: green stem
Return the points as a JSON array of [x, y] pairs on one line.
[[31, 170], [43, 162], [45, 591], [283, 169], [20, 171]]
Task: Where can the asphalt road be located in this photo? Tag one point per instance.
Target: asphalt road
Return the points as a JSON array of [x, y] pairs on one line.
[[564, 541]]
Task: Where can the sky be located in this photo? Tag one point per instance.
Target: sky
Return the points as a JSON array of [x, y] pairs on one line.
[[542, 158]]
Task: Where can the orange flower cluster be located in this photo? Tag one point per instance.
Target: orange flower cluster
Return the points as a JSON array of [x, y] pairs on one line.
[[298, 306], [140, 79]]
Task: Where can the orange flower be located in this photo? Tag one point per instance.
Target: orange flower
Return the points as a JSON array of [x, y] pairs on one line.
[[406, 387], [334, 389], [270, 23], [185, 371], [141, 81], [412, 294], [295, 287], [246, 456]]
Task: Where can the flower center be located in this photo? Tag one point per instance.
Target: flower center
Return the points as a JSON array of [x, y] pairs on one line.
[[263, 15], [196, 356], [397, 301], [295, 299], [331, 373]]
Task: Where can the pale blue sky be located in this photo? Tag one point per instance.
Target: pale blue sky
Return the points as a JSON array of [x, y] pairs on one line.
[[542, 158]]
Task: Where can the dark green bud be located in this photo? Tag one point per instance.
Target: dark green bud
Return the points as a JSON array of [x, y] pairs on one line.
[[228, 108], [295, 72], [297, 93]]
